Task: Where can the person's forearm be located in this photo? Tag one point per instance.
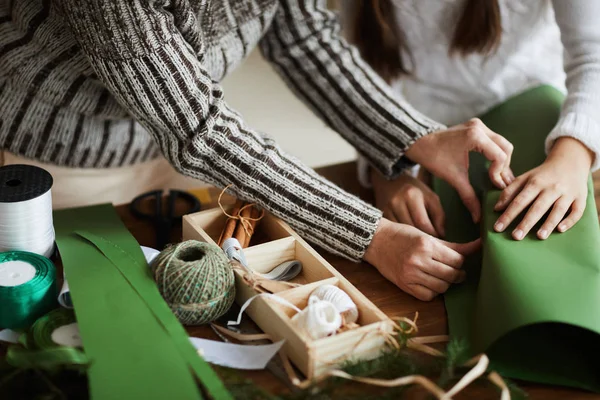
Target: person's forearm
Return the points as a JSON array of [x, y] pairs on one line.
[[166, 88], [573, 150], [305, 46], [580, 114]]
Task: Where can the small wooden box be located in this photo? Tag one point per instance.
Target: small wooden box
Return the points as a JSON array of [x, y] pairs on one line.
[[281, 243]]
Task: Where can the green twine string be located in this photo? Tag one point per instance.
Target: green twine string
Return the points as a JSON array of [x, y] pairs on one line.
[[21, 305], [196, 280]]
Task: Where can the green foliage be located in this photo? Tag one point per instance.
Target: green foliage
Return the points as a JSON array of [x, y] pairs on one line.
[[37, 384]]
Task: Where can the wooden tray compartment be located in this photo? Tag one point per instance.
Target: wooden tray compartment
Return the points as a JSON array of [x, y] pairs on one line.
[[312, 357], [207, 226]]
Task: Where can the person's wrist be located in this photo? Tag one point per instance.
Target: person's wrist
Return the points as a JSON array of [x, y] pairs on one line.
[[572, 151], [415, 151], [376, 245]]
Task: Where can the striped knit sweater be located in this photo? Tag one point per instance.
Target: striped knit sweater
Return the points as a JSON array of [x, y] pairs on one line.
[[105, 83]]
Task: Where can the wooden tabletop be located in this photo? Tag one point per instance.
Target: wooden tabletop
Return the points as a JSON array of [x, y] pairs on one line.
[[390, 299]]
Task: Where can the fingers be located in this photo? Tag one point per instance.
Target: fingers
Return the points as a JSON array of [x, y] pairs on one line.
[[436, 212], [556, 215], [389, 214], [401, 214], [541, 205], [482, 142], [421, 220], [466, 249], [468, 197], [494, 153], [444, 272], [511, 192], [576, 213], [432, 283], [443, 253], [516, 206], [506, 174], [421, 292]]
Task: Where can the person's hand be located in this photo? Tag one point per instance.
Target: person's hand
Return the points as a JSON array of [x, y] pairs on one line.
[[446, 155], [560, 184], [416, 262], [409, 201]]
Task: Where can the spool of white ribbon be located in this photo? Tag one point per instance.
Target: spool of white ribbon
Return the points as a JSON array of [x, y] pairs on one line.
[[26, 210], [319, 319], [340, 299]]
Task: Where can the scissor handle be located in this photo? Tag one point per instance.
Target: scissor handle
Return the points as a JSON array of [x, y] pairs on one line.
[[135, 208], [188, 197]]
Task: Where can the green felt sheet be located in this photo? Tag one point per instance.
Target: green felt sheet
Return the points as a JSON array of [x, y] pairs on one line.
[[137, 348], [533, 306]]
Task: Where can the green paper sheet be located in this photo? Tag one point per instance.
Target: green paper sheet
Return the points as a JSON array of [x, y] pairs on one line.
[[136, 349], [533, 306]]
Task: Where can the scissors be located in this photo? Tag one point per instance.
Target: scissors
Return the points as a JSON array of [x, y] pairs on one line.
[[163, 223]]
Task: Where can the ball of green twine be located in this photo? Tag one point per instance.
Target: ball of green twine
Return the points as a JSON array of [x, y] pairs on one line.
[[196, 280]]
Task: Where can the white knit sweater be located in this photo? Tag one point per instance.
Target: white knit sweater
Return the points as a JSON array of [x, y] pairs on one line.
[[537, 36]]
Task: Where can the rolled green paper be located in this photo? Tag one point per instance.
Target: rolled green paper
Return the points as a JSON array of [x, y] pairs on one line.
[[533, 306]]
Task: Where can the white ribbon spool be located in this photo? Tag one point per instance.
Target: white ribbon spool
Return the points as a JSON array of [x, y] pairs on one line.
[[26, 210], [319, 319], [15, 273], [67, 335], [340, 299]]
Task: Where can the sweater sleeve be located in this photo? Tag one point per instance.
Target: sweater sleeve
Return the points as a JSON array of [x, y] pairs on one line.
[[139, 54], [306, 47], [580, 35]]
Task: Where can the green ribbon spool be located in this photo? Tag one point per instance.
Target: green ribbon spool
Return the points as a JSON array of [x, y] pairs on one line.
[[40, 334], [27, 288], [41, 351]]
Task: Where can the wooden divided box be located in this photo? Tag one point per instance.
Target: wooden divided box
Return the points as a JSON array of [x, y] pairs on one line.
[[273, 243]]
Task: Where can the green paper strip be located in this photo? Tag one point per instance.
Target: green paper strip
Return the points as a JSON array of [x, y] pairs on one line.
[[532, 305], [133, 355], [148, 291]]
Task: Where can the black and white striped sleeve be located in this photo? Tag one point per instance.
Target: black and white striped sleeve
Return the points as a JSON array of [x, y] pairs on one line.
[[306, 47], [143, 60]]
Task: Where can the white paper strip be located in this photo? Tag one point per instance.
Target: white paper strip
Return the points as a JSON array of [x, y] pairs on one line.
[[237, 356], [10, 336], [64, 297]]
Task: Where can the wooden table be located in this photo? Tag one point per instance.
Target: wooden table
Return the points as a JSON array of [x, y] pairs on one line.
[[390, 299]]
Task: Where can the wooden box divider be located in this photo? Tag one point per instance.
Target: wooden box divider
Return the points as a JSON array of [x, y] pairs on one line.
[[279, 243]]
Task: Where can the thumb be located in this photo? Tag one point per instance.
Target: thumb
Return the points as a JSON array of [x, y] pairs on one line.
[[497, 156], [468, 197], [465, 248]]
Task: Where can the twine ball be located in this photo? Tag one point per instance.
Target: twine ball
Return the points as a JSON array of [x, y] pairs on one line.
[[196, 280]]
